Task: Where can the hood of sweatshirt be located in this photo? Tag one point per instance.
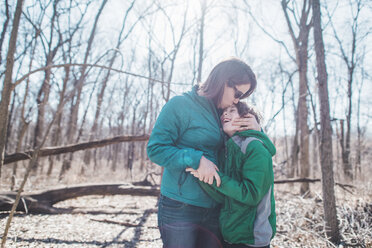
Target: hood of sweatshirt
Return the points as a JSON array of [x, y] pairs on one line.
[[261, 136]]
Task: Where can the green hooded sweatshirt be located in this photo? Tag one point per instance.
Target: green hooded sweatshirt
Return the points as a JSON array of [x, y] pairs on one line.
[[187, 128], [246, 190]]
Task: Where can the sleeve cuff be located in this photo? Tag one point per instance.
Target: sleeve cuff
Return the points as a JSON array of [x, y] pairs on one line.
[[192, 158]]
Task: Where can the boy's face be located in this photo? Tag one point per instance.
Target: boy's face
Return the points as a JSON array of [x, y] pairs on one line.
[[227, 117]]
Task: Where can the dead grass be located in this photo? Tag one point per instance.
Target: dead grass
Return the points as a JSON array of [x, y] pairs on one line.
[[300, 220], [127, 221]]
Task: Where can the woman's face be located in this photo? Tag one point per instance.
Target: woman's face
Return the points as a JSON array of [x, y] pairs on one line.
[[227, 117], [231, 95]]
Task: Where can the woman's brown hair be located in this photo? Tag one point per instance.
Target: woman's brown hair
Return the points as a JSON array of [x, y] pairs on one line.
[[232, 72]]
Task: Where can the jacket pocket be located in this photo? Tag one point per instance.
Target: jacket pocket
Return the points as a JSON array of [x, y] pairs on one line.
[[181, 180]]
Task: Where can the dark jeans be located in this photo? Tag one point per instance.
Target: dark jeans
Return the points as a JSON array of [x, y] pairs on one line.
[[182, 225]]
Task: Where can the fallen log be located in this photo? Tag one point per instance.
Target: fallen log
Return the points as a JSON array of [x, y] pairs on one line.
[[42, 202], [47, 151], [309, 180]]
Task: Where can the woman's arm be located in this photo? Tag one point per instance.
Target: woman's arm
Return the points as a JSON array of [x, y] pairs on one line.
[[162, 148]]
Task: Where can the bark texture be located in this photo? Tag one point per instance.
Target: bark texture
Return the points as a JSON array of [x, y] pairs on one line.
[[329, 201]]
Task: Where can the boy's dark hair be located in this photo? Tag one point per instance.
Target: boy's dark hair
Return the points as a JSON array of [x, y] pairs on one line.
[[244, 109], [232, 72]]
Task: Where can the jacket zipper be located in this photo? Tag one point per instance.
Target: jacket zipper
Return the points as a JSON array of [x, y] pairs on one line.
[[228, 172]]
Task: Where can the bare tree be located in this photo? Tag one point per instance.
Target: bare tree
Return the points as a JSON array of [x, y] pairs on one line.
[[171, 56], [315, 135], [8, 84], [300, 43], [5, 27], [122, 116], [360, 130], [24, 119], [31, 165], [203, 7], [78, 85], [329, 201], [350, 56], [130, 154], [44, 91], [67, 57], [57, 128], [121, 38]]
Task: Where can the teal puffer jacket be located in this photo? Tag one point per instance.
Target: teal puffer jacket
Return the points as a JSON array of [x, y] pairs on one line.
[[246, 190], [187, 128]]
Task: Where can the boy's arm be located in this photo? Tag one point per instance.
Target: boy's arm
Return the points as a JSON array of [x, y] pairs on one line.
[[212, 192], [257, 177]]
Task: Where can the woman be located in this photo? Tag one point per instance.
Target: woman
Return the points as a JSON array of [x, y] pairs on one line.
[[247, 217], [188, 133]]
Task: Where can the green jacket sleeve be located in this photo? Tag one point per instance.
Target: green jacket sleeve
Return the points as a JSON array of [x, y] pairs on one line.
[[162, 147], [212, 192], [256, 180]]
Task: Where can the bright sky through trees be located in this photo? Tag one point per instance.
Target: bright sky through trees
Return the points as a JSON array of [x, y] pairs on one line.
[[251, 30]]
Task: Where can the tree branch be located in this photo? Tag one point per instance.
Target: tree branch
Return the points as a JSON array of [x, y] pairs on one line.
[[91, 65], [308, 180], [73, 148]]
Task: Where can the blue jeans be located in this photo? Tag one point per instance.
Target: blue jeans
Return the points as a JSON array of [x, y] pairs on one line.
[[183, 225]]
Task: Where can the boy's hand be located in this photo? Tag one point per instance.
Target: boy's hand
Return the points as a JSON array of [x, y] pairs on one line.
[[248, 122]]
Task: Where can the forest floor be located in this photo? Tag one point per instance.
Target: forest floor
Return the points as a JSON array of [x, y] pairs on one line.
[[131, 221]]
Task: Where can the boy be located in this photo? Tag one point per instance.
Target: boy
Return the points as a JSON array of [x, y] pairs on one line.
[[247, 217]]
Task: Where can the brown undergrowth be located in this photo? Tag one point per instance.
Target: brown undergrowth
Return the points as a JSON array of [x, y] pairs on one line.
[[131, 221]]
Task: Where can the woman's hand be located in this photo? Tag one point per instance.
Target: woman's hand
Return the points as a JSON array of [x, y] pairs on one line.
[[192, 172], [248, 122], [206, 172]]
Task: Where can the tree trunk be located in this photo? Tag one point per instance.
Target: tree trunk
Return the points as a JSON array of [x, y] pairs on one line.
[[75, 102], [358, 165], [348, 171], [8, 85], [44, 91], [293, 166], [79, 83], [57, 128], [9, 128], [87, 155], [42, 101], [24, 124], [329, 201], [4, 31], [300, 44], [201, 41], [315, 149], [130, 158], [304, 128]]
